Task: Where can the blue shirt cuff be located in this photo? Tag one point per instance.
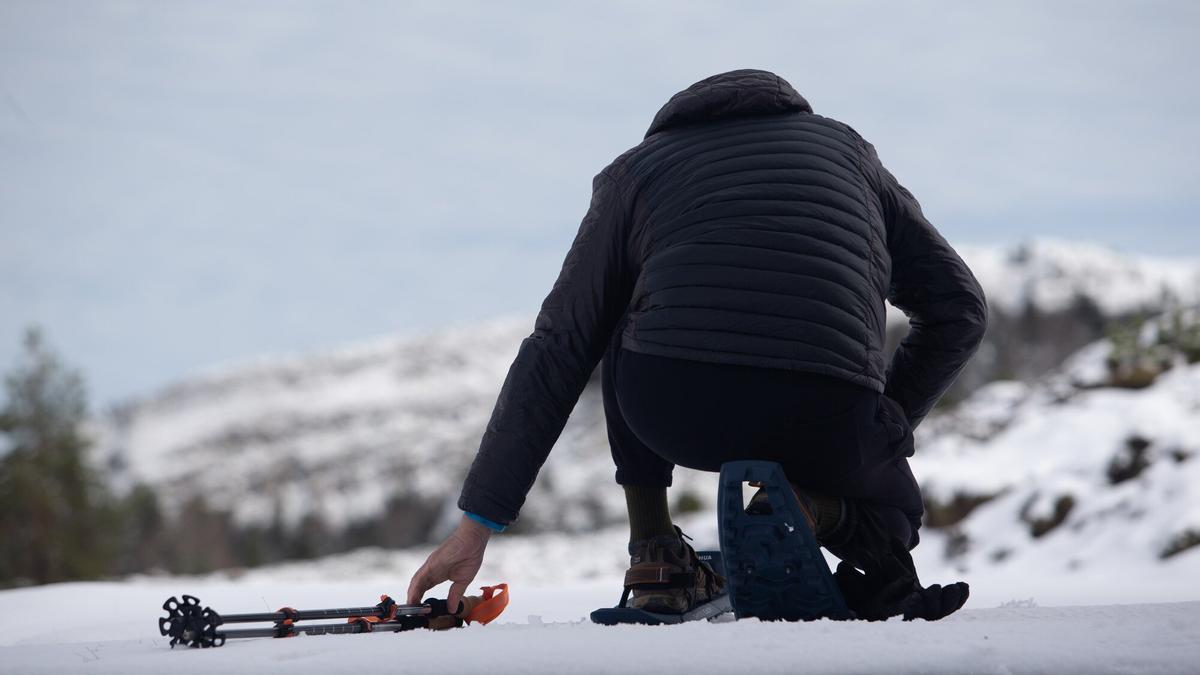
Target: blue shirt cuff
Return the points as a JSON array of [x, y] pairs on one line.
[[490, 524]]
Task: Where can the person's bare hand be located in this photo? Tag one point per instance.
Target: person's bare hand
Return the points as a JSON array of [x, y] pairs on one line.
[[457, 560]]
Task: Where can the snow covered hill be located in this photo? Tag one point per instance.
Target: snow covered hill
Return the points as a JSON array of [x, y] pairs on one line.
[[1051, 274], [386, 429], [339, 433], [1049, 298], [381, 428], [1069, 477]]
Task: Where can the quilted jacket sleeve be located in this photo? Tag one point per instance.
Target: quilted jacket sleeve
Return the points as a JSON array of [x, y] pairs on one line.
[[945, 305], [554, 363]]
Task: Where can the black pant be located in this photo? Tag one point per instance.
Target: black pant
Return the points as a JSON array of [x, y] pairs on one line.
[[829, 435]]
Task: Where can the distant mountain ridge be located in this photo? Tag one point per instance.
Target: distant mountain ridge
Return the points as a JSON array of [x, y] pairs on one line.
[[387, 428], [1053, 274]]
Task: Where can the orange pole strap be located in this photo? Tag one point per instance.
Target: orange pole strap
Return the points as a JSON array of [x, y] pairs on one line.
[[495, 599]]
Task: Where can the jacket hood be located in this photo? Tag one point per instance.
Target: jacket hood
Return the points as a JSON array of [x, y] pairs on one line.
[[737, 93]]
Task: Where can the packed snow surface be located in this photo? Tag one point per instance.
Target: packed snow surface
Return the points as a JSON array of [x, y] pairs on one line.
[[109, 628], [1017, 621]]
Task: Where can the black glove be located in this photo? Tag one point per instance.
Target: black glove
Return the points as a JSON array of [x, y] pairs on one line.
[[889, 587], [936, 601]]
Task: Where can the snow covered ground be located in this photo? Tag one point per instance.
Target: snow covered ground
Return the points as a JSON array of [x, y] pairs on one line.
[[109, 628], [1015, 622], [1113, 639]]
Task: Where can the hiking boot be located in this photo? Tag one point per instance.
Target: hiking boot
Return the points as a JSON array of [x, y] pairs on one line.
[[666, 577], [822, 513]]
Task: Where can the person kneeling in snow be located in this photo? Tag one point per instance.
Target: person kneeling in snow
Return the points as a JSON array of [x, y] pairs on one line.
[[731, 273]]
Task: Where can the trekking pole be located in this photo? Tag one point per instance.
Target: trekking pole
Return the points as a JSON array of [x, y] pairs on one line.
[[187, 622], [305, 614]]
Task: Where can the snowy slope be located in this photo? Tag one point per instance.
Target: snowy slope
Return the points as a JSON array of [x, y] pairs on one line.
[[343, 432], [1089, 487], [337, 432], [1077, 478]]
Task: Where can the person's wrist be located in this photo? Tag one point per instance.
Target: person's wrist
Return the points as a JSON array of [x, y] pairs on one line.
[[490, 524], [473, 528]]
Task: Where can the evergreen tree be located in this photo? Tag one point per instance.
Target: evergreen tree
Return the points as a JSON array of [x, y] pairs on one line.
[[56, 517], [144, 543]]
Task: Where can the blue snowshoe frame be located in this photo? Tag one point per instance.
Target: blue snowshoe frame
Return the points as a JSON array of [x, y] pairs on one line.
[[773, 563]]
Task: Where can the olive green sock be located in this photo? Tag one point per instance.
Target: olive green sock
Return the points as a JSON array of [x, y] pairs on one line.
[[649, 515]]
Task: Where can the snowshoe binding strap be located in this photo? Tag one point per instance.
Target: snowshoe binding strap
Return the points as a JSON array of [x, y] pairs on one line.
[[658, 576]]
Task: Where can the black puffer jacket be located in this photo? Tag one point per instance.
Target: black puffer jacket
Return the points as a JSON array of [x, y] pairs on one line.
[[743, 229]]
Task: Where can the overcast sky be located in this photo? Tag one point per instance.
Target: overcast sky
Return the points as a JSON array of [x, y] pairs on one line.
[[184, 184]]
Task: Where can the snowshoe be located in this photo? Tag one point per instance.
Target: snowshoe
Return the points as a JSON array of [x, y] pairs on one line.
[[773, 563]]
